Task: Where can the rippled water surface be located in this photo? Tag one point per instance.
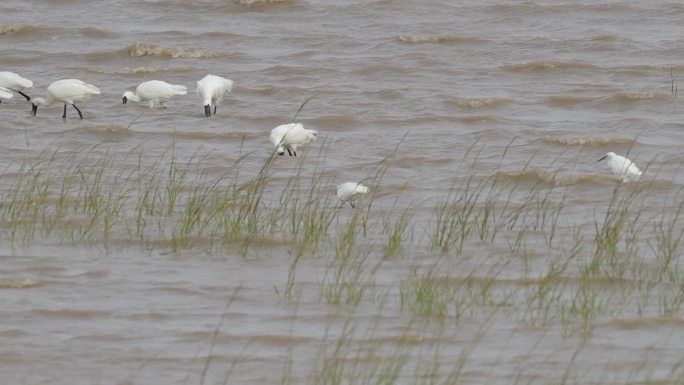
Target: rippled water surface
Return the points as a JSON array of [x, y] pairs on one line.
[[158, 246]]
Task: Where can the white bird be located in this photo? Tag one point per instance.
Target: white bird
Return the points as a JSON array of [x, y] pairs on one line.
[[68, 91], [15, 83], [289, 136], [211, 89], [348, 191], [154, 91], [622, 167], [5, 93]]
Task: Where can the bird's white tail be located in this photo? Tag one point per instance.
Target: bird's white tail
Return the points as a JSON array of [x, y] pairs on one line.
[[179, 89]]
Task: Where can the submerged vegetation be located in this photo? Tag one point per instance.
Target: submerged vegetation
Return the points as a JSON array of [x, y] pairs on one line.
[[491, 248]]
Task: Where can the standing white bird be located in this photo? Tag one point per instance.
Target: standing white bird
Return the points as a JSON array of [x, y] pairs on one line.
[[5, 93], [348, 191], [211, 89], [289, 136], [68, 91], [15, 83], [622, 167], [154, 91]]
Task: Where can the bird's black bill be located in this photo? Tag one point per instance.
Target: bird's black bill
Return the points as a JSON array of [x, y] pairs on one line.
[[34, 110], [215, 110], [207, 110], [602, 158], [64, 114], [125, 100], [28, 98]]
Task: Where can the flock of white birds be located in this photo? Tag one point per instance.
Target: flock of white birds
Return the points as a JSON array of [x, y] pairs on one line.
[[211, 88]]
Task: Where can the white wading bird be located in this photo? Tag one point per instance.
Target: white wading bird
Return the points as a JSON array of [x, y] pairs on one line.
[[211, 89], [348, 191], [68, 91], [289, 136], [5, 93], [622, 167], [154, 91], [15, 83]]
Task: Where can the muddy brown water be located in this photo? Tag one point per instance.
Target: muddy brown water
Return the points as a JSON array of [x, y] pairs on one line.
[[554, 84]]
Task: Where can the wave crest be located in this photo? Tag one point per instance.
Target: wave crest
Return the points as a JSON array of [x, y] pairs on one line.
[[538, 66], [628, 97], [542, 176], [474, 103], [142, 49], [19, 283], [135, 70], [440, 39], [262, 2], [587, 141], [18, 29]]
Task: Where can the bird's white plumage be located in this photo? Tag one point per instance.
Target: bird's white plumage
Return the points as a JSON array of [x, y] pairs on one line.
[[155, 91], [5, 93], [290, 136], [67, 91], [14, 82], [624, 168], [348, 191], [211, 89]]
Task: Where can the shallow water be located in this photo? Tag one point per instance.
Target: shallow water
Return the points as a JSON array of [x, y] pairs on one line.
[[529, 93]]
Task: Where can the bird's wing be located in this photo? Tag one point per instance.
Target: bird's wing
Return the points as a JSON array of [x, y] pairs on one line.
[[5, 93], [13, 81]]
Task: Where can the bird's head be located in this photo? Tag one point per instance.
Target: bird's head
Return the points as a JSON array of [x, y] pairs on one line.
[[35, 103], [608, 155], [128, 95]]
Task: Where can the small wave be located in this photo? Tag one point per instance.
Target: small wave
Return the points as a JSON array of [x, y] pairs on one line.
[[567, 100], [70, 313], [631, 97], [19, 29], [587, 141], [443, 39], [478, 119], [135, 70], [142, 49], [537, 66], [604, 37], [109, 128], [542, 176], [478, 102], [263, 91], [96, 33], [263, 2], [19, 283], [336, 121]]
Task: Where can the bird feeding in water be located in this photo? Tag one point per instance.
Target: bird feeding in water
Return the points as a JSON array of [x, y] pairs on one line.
[[289, 136], [68, 91], [211, 89], [348, 191], [154, 91], [14, 83], [624, 168]]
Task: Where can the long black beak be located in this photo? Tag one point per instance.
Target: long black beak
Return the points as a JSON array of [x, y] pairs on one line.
[[28, 98], [34, 109], [604, 157], [207, 110], [125, 100]]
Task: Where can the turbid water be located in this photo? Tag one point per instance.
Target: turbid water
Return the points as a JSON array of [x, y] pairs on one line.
[[140, 246]]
